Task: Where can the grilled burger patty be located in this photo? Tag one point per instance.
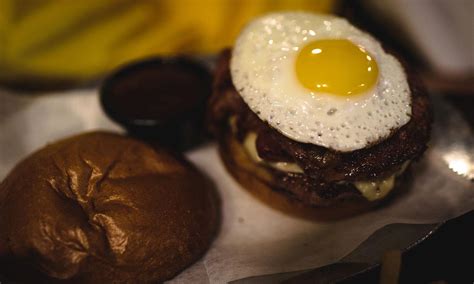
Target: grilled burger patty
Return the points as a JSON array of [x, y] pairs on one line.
[[328, 174]]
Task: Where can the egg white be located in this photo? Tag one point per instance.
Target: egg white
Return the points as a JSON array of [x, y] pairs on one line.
[[263, 72]]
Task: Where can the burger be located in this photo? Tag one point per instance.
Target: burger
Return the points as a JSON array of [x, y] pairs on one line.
[[314, 117]]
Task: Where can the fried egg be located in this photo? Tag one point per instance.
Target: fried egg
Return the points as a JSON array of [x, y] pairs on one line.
[[318, 79]]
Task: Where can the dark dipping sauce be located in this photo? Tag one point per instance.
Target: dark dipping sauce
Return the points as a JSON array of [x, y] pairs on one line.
[[160, 100]]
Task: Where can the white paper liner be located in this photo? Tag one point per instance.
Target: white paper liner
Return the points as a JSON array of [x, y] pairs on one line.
[[254, 239]]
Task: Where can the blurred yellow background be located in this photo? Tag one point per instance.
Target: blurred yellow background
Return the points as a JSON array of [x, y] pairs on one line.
[[80, 40]]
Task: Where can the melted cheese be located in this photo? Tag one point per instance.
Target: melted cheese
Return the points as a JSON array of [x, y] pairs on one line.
[[251, 148], [373, 190]]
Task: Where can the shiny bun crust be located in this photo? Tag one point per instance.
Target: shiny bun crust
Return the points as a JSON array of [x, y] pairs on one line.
[[103, 208]]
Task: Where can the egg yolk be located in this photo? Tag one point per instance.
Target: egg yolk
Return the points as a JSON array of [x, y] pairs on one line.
[[336, 66]]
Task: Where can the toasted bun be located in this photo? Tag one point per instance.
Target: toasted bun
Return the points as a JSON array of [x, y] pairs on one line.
[[103, 208], [259, 182]]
